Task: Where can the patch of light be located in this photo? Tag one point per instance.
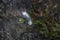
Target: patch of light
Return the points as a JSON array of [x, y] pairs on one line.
[[25, 14], [30, 22]]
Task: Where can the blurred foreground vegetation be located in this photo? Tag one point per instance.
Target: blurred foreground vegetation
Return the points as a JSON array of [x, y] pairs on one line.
[[46, 15]]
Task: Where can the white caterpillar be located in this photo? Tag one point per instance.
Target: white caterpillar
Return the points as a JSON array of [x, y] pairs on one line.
[[26, 15]]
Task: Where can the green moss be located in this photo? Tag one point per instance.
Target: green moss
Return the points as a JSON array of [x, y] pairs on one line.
[[22, 20]]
